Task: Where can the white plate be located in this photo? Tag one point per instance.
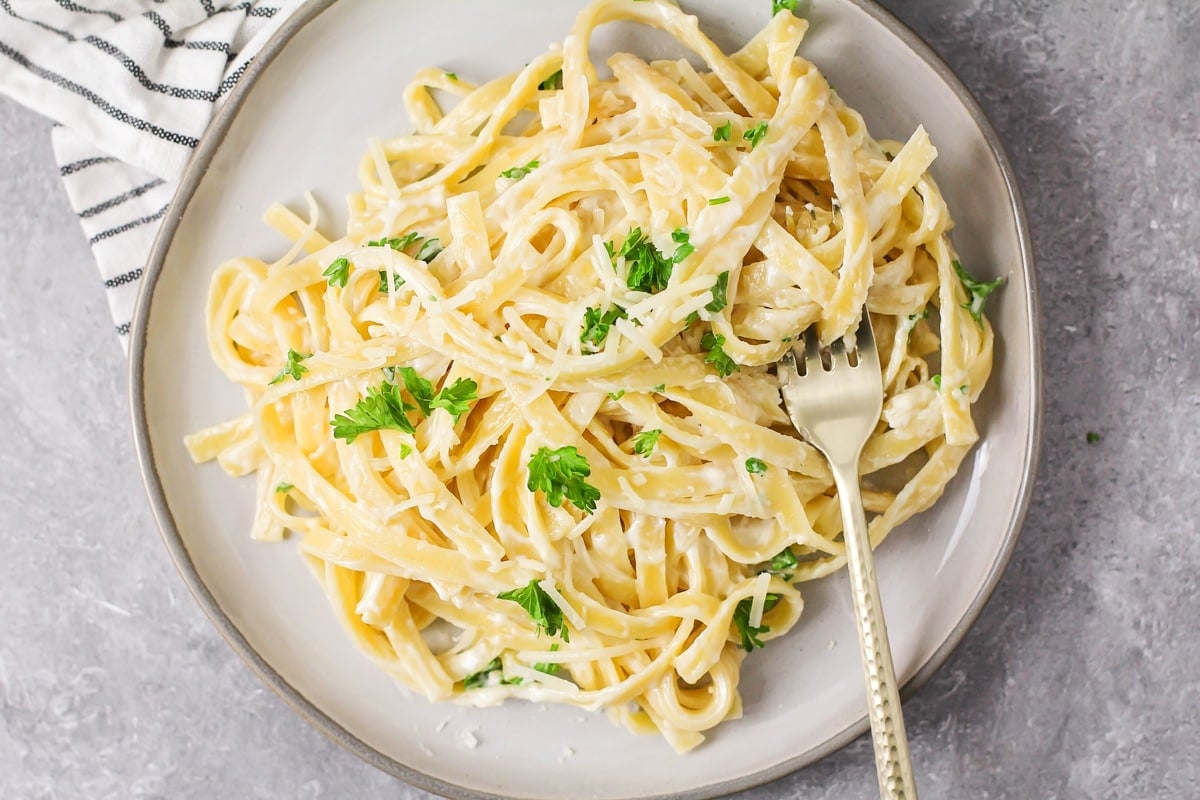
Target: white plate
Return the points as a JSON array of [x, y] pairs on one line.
[[300, 120]]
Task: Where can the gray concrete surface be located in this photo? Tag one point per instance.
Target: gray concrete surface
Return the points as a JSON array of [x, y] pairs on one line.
[[1081, 679]]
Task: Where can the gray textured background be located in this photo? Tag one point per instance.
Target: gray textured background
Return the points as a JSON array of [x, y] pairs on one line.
[[1081, 679]]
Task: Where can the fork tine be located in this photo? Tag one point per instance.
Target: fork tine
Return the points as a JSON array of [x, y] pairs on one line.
[[812, 348]]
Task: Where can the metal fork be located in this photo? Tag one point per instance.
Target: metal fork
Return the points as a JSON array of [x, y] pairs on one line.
[[836, 408]]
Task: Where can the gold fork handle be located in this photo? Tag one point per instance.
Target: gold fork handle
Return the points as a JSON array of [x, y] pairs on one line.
[[883, 693]]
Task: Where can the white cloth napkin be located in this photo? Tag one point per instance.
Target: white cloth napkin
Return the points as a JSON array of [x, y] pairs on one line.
[[132, 85]]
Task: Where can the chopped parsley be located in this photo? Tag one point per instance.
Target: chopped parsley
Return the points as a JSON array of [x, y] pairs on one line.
[[644, 442], [783, 5], [741, 618], [783, 563], [714, 343], [560, 474], [455, 399], [338, 272], [397, 282], [516, 173], [596, 324], [720, 293], [552, 82], [452, 76], [662, 387], [977, 291], [718, 201], [681, 237], [542, 609], [429, 250], [293, 367], [649, 269], [478, 680], [756, 466], [617, 395], [937, 381], [551, 668], [723, 133], [284, 488], [756, 134], [382, 409], [398, 243], [1092, 437]]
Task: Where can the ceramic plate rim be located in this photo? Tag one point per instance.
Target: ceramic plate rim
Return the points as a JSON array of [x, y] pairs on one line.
[[191, 179]]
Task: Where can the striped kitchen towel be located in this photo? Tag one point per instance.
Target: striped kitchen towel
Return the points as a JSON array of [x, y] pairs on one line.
[[132, 85]]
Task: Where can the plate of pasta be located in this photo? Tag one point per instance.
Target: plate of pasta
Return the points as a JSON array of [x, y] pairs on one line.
[[454, 390]]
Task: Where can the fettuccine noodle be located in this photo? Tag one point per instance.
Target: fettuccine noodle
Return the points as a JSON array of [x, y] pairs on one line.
[[763, 206]]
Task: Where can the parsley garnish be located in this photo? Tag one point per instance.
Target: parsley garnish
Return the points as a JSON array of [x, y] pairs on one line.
[[681, 237], [596, 324], [516, 173], [649, 269], [284, 488], [741, 618], [644, 442], [756, 134], [617, 395], [452, 76], [429, 250], [546, 614], [720, 293], [756, 466], [455, 398], [397, 281], [560, 473], [293, 367], [551, 668], [783, 563], [783, 5], [937, 381], [718, 201], [478, 680], [722, 133], [381, 409], [398, 243], [976, 290], [338, 272], [662, 387], [1092, 437], [553, 81], [714, 344]]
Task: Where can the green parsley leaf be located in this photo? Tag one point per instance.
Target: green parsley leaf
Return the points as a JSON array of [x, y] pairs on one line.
[[937, 381], [420, 389], [452, 76], [662, 387], [456, 399], [649, 269], [756, 134], [783, 563], [720, 293], [644, 442], [398, 243], [397, 282], [517, 173], [542, 609], [405, 451], [1092, 437], [783, 5], [691, 319], [381, 409], [723, 133], [617, 395], [714, 344], [480, 679], [293, 367], [681, 237], [741, 618], [756, 466], [560, 473], [338, 272], [976, 290], [596, 324], [718, 201], [284, 488], [429, 250], [553, 82], [551, 668]]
